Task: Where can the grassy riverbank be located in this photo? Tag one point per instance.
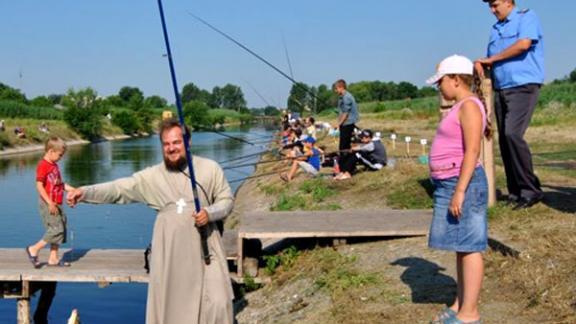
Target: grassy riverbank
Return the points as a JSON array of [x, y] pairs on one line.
[[401, 281], [10, 142]]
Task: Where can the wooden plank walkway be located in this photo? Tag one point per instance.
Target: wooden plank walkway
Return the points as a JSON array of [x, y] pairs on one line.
[[93, 265], [348, 223], [19, 279], [333, 224], [89, 265]]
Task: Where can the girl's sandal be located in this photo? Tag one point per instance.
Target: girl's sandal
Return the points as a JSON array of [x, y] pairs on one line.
[[445, 314], [455, 320]]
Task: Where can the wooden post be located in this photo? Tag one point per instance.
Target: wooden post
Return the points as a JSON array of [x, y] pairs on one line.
[[23, 305], [487, 153], [240, 257]]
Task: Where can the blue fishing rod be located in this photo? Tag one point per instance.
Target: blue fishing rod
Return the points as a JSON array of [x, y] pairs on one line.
[[203, 230]]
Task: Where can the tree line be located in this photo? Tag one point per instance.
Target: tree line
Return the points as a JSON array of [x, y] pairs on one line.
[[316, 99], [84, 110]]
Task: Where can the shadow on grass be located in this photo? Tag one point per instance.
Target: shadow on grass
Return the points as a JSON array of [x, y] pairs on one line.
[[428, 284], [428, 186], [560, 198]]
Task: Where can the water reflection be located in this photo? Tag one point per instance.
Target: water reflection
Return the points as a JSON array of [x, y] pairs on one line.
[[87, 163]]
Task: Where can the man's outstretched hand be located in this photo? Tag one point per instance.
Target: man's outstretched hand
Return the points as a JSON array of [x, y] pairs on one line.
[[74, 196]]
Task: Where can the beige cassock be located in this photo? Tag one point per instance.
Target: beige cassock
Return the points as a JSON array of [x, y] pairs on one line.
[[182, 288]]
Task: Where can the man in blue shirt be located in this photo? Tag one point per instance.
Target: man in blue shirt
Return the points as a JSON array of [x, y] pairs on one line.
[[347, 115], [516, 57]]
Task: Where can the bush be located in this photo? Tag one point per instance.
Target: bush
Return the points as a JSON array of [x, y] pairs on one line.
[[4, 141], [85, 121], [196, 114], [246, 118], [126, 120]]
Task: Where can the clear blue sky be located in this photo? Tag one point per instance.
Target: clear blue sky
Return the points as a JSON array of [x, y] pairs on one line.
[[51, 46]]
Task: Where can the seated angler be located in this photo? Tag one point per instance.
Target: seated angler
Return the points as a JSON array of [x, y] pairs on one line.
[[309, 161], [370, 152]]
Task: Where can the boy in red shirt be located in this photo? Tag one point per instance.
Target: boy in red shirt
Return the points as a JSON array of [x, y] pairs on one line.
[[51, 190]]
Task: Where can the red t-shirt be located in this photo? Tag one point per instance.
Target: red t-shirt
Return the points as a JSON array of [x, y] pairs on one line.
[[49, 174]]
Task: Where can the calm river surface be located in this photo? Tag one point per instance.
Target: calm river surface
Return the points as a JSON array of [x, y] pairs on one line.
[[101, 226]]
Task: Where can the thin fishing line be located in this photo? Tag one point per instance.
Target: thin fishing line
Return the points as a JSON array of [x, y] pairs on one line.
[[287, 57], [226, 135], [296, 83], [253, 177], [256, 163], [245, 156]]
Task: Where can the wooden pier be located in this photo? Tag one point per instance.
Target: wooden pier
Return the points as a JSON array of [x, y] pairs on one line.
[[19, 280], [330, 224]]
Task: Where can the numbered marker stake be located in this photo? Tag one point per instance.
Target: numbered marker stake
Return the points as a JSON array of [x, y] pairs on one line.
[[408, 139], [423, 142]]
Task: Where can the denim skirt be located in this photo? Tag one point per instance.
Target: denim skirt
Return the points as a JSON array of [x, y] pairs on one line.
[[469, 232]]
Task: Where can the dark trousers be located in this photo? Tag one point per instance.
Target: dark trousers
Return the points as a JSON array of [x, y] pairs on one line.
[[514, 108], [348, 163], [346, 132]]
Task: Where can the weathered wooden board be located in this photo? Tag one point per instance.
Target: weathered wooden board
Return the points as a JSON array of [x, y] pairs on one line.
[[93, 265], [349, 223], [89, 265]]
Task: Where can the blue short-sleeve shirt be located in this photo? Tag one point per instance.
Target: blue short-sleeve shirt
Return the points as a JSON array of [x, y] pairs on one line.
[[347, 104], [527, 67]]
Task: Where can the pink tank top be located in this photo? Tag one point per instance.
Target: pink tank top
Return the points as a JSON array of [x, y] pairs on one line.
[[447, 151]]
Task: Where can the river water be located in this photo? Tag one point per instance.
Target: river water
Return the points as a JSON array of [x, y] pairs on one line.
[[102, 226]]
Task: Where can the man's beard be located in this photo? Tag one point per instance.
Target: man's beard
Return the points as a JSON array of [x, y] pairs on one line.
[[178, 165]]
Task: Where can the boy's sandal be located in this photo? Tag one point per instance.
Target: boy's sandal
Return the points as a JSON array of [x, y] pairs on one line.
[[61, 264], [33, 259], [284, 177]]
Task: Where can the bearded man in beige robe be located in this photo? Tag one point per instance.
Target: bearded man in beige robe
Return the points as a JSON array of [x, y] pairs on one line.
[[181, 288]]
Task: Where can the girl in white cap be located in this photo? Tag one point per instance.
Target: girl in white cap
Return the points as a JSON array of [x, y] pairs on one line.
[[461, 191]]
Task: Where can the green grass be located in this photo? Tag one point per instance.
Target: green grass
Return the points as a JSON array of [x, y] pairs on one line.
[[15, 109], [287, 202], [414, 193], [554, 113], [33, 134], [310, 195], [564, 93], [331, 271], [419, 104], [318, 188], [286, 259]]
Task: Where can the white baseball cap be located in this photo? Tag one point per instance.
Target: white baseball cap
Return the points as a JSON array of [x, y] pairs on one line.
[[455, 64]]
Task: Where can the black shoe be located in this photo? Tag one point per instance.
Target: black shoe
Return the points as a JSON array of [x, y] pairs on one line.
[[512, 200], [524, 203]]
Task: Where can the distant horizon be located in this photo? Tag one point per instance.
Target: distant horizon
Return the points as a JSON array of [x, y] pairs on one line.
[[52, 47]]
